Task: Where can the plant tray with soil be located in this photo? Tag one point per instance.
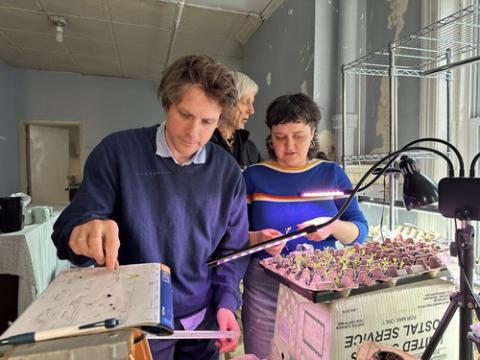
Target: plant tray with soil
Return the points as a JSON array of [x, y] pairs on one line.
[[323, 275]]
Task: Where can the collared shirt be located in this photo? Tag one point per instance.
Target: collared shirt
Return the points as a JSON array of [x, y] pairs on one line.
[[164, 151], [190, 322]]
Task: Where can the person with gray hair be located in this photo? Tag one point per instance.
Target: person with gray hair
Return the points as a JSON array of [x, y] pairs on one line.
[[230, 133]]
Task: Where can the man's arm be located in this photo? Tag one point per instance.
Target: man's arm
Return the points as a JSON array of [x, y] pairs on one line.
[[79, 234], [98, 240], [226, 322], [226, 277]]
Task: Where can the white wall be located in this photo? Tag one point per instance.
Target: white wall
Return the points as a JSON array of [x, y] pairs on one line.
[[9, 171], [280, 58], [102, 104]]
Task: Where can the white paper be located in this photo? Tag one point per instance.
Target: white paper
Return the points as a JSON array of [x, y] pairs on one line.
[[130, 293]]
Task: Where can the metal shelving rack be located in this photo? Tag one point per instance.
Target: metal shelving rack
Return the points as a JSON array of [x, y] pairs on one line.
[[419, 155], [429, 53]]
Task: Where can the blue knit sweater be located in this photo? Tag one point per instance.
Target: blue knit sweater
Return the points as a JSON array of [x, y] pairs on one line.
[[274, 201], [176, 215]]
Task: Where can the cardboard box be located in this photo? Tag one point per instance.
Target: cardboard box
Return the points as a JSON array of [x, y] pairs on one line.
[[404, 316], [279, 351], [369, 349]]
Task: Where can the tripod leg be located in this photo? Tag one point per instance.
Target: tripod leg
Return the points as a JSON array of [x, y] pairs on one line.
[[466, 346], [442, 326], [464, 239], [462, 298]]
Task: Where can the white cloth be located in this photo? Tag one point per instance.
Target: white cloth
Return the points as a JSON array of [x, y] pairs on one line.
[[30, 255]]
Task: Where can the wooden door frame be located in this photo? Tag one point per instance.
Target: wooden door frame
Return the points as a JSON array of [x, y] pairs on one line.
[[22, 145]]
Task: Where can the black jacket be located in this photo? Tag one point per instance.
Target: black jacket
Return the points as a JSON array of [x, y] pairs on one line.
[[244, 150]]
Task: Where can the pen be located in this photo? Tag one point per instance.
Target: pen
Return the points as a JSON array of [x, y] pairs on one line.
[[35, 336]]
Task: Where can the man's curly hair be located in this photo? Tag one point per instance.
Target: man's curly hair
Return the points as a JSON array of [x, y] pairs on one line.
[[198, 70]]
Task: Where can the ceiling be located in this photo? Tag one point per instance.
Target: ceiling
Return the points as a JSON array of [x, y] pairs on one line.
[[127, 38]]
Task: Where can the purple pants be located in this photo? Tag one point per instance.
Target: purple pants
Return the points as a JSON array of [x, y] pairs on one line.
[[260, 292]]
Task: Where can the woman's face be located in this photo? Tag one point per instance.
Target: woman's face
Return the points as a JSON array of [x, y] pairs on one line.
[[243, 111], [291, 143]]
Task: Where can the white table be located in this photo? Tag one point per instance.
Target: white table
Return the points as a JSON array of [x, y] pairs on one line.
[[31, 255]]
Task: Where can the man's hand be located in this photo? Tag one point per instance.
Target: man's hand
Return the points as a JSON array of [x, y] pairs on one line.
[[322, 233], [226, 321], [258, 237], [98, 240]]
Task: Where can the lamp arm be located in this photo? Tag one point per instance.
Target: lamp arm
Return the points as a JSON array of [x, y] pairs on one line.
[[441, 141], [472, 165], [416, 148]]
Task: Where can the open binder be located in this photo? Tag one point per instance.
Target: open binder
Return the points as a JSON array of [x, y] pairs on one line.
[[138, 296]]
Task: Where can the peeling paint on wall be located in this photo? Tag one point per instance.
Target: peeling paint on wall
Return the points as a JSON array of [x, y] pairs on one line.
[[398, 8], [308, 54], [309, 63], [268, 78], [304, 87], [326, 140], [382, 124]]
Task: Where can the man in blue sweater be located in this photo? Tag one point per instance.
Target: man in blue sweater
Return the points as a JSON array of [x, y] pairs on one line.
[[164, 194]]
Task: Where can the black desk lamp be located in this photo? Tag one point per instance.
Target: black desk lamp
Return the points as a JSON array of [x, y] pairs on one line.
[[458, 198], [418, 189]]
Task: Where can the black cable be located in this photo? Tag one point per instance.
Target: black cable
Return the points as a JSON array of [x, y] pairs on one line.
[[472, 293], [441, 141], [472, 165], [439, 153], [383, 207], [460, 259]]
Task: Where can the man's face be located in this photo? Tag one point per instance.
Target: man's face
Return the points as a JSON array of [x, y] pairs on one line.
[[190, 123]]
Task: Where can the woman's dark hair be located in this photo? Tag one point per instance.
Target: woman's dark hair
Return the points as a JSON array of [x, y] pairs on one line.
[[293, 108]]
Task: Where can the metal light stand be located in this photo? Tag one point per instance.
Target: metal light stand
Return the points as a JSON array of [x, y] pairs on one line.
[[463, 299]]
